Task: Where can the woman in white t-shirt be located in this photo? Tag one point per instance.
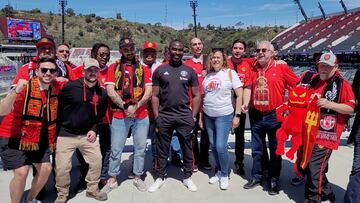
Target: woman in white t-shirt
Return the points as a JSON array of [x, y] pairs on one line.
[[219, 111]]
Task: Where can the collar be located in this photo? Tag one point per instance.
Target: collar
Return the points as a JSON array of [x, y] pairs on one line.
[[197, 60]]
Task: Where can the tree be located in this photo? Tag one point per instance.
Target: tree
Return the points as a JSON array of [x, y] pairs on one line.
[[88, 19], [8, 11], [191, 26], [118, 16], [35, 10], [199, 25], [70, 12], [157, 24]]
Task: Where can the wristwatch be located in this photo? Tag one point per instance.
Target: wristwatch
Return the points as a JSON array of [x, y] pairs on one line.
[[237, 115]]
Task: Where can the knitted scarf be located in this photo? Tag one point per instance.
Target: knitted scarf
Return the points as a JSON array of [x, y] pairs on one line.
[[32, 117]]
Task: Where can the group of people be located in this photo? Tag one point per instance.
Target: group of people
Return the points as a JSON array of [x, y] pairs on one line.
[[56, 108]]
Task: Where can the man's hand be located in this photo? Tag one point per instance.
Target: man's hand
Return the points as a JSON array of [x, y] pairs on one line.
[[130, 111], [324, 103], [91, 136], [61, 79], [244, 108], [20, 85]]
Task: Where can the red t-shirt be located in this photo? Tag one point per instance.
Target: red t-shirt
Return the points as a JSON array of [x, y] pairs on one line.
[[243, 70], [198, 68], [268, 85], [142, 111], [346, 97]]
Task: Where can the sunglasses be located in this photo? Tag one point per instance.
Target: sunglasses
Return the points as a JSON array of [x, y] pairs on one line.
[[102, 55], [262, 50], [66, 51], [45, 70]]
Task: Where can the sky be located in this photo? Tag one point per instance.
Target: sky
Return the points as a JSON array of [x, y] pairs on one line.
[[178, 13]]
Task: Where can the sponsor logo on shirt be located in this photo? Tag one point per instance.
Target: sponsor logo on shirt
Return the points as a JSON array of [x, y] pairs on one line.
[[166, 73]]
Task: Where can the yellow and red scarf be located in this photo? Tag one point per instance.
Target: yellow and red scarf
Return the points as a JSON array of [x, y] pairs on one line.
[[32, 116], [130, 88]]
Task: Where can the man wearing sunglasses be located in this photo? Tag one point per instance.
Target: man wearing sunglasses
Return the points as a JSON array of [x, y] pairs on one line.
[[65, 67], [268, 80], [29, 137], [129, 87], [82, 103]]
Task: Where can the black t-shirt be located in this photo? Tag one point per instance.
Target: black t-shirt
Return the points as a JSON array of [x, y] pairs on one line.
[[174, 83]]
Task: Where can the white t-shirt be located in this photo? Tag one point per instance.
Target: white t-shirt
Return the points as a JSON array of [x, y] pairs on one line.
[[217, 88]]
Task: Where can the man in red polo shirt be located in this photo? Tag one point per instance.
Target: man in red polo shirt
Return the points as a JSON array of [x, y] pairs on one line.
[[336, 101], [129, 87], [268, 80], [241, 65], [201, 156]]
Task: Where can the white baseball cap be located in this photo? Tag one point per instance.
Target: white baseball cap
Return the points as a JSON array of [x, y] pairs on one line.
[[328, 58]]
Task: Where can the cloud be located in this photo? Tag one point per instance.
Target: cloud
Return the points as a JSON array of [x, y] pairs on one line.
[[275, 7]]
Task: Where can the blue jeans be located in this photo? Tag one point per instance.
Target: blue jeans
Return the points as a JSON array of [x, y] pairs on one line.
[[352, 194], [262, 124], [218, 129], [119, 132]]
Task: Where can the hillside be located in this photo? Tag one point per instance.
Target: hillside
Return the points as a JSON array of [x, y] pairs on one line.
[[84, 30]]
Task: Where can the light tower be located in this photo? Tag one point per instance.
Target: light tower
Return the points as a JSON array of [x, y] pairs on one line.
[[193, 5], [62, 4]]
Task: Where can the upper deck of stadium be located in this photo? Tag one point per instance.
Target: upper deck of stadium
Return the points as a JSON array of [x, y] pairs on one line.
[[339, 32]]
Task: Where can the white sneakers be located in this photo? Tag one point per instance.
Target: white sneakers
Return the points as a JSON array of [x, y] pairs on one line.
[[156, 185], [190, 184], [215, 178], [160, 182], [224, 181], [109, 186]]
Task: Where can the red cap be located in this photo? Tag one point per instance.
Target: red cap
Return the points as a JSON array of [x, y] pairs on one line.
[[45, 41], [149, 45]]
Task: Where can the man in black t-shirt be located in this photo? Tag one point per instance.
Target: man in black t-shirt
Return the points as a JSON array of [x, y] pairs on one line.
[[171, 106]]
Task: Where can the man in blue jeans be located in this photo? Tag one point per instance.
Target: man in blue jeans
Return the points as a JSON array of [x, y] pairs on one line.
[[268, 80], [128, 85], [352, 194]]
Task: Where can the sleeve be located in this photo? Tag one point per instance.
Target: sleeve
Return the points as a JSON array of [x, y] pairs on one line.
[[290, 77], [194, 80], [155, 78], [347, 96], [236, 82], [147, 76], [110, 78], [77, 72], [246, 71]]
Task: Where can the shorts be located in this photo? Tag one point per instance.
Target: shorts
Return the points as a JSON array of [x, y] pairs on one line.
[[14, 158]]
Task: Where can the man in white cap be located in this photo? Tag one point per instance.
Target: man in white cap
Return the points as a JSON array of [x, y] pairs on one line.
[[82, 106], [336, 101]]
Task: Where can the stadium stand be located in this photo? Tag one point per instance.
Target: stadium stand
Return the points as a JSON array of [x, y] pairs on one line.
[[339, 32]]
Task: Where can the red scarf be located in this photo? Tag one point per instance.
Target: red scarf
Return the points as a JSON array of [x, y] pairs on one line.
[[32, 118]]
